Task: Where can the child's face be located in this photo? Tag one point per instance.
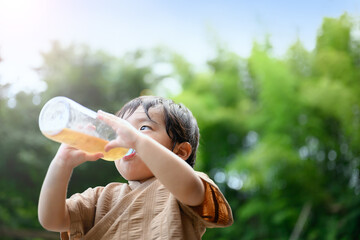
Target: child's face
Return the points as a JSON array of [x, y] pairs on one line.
[[134, 168]]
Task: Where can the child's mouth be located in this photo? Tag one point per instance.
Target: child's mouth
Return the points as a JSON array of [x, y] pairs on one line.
[[131, 153]]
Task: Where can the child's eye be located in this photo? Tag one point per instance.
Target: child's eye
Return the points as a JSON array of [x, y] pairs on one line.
[[145, 128]]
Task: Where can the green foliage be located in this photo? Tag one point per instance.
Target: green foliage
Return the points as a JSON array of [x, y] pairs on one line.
[[280, 136]]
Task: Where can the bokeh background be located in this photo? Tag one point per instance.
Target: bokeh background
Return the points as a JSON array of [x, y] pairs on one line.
[[274, 85]]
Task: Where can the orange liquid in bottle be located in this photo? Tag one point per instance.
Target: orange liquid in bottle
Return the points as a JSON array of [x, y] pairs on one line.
[[87, 143]]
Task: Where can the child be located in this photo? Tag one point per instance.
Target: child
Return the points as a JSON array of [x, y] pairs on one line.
[[164, 197]]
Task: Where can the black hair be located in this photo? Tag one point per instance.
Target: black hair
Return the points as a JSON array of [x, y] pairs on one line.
[[181, 125]]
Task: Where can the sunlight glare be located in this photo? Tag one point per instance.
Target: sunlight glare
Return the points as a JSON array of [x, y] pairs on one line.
[[22, 23], [19, 13], [14, 8]]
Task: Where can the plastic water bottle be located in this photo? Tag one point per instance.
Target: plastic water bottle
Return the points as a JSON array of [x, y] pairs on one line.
[[66, 121]]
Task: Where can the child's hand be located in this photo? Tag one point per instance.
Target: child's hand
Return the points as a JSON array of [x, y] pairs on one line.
[[71, 157], [126, 133]]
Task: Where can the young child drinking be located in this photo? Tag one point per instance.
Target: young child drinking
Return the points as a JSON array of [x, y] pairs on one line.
[[164, 197]]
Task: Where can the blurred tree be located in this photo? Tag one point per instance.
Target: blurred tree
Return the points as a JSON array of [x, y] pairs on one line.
[[327, 127], [296, 123], [20, 164]]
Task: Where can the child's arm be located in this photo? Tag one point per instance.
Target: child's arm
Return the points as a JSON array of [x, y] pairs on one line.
[[52, 211], [171, 169]]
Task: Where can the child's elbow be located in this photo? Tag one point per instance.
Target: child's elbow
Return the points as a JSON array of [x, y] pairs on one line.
[[52, 224], [196, 194], [46, 224]]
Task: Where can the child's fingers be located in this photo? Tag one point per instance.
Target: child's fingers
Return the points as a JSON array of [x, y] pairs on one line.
[[114, 121], [108, 118], [90, 127], [111, 145], [94, 157]]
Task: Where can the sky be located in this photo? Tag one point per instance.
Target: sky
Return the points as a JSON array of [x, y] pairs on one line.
[[27, 28]]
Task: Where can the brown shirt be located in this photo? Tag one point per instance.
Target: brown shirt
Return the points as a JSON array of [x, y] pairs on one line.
[[144, 211]]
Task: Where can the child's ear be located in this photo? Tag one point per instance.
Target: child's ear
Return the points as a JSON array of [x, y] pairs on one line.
[[183, 150]]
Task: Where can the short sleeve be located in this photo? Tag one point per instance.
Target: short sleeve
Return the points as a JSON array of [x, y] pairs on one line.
[[215, 211], [81, 207]]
